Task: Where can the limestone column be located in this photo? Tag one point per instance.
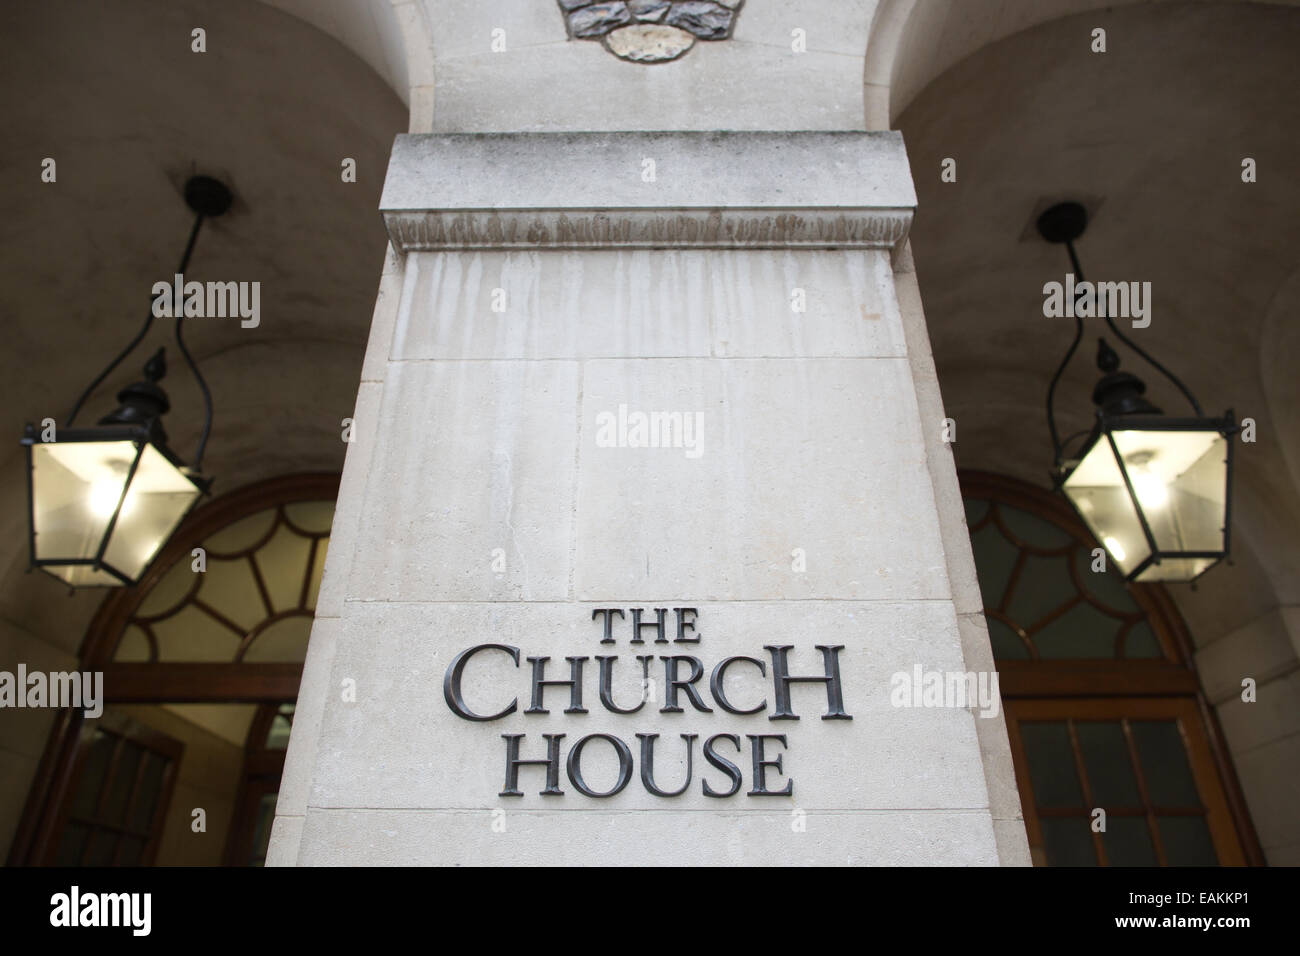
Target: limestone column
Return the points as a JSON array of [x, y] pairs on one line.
[[643, 447]]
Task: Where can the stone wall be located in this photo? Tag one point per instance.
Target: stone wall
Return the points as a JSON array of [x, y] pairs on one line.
[[499, 498]]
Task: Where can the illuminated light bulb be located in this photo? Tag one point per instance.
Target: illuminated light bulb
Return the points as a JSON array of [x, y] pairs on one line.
[[1151, 491], [1115, 548], [104, 495]]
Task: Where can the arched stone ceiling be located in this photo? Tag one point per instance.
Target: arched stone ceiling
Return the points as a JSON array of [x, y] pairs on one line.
[[114, 94], [1152, 134], [1279, 354], [386, 34], [914, 41]]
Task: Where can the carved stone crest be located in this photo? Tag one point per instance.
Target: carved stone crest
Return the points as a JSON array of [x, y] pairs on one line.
[[650, 31]]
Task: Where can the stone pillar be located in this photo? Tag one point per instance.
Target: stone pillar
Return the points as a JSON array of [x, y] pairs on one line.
[[655, 379]]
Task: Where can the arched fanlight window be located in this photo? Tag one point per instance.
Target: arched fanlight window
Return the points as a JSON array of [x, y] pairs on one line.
[[237, 587], [1047, 595], [254, 600]]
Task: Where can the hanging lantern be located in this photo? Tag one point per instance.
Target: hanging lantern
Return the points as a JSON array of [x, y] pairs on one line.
[[103, 501], [1155, 491]]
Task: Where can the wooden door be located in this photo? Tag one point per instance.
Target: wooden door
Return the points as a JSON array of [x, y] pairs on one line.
[[1123, 781]]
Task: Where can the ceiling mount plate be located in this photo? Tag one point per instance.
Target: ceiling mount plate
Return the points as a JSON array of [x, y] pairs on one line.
[[1063, 222], [207, 196]]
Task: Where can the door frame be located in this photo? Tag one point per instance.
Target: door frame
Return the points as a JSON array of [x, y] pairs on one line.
[[262, 772]]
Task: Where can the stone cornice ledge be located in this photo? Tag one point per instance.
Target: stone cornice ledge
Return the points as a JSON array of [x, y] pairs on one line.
[[595, 190]]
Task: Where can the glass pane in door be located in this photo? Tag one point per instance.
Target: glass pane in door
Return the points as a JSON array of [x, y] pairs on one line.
[[1119, 782]]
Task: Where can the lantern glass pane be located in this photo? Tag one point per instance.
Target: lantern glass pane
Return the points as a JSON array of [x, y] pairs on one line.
[[1096, 487], [84, 575], [159, 496], [75, 489], [1175, 569], [1181, 482]]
